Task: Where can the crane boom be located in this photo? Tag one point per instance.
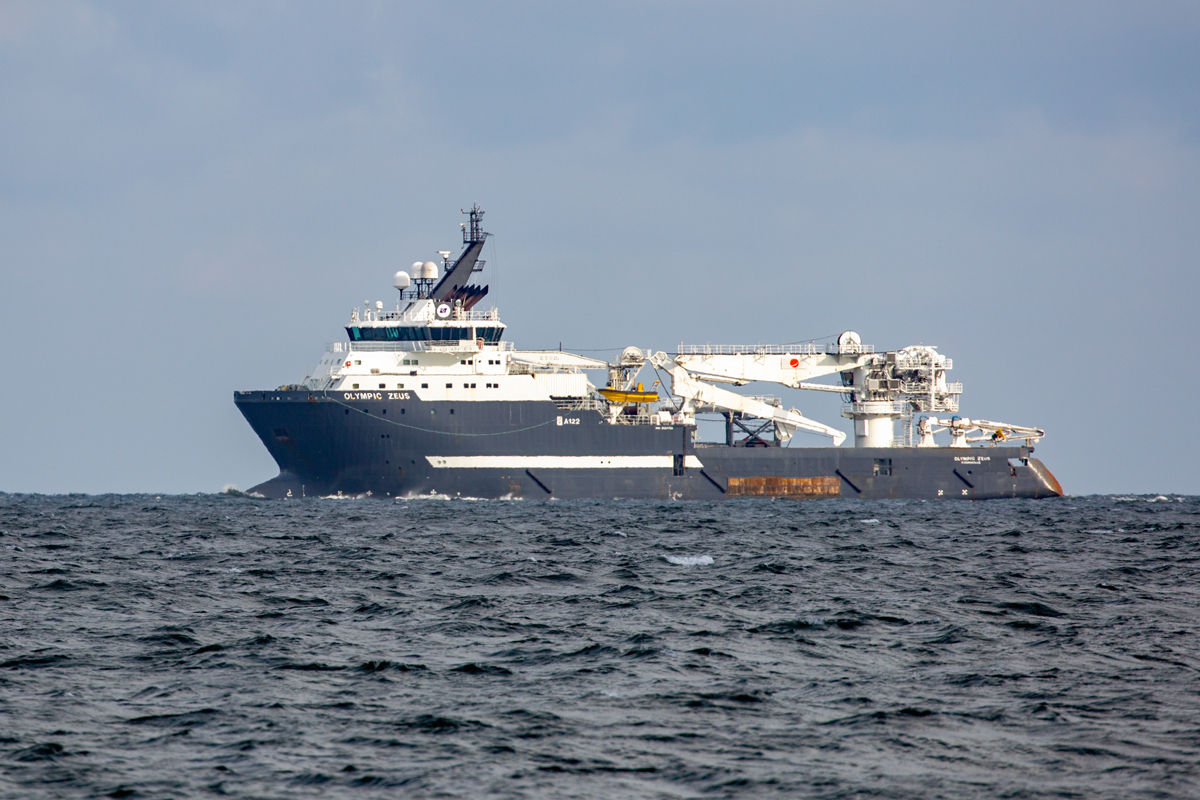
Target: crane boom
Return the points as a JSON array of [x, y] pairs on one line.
[[696, 392]]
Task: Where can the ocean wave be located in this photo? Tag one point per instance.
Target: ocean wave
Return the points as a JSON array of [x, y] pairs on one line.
[[690, 561]]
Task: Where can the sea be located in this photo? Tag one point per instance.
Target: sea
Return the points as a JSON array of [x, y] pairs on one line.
[[223, 645]]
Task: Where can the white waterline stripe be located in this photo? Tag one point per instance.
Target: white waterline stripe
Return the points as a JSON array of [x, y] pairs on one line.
[[560, 462]]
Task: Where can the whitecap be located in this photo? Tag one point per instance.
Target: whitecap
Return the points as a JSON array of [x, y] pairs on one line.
[[690, 561], [869, 521]]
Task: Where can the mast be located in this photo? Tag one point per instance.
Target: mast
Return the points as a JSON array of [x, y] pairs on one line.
[[453, 286]]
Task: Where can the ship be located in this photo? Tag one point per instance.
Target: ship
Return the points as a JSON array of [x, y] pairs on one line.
[[432, 399]]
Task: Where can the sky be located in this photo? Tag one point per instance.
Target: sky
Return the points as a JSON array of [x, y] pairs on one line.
[[193, 196]]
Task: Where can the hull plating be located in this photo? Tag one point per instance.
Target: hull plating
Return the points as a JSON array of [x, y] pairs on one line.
[[325, 444]]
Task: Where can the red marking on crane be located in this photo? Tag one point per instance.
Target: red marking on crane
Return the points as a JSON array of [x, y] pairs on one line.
[[795, 362]]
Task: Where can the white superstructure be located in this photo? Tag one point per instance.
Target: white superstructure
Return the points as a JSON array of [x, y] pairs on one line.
[[436, 346]]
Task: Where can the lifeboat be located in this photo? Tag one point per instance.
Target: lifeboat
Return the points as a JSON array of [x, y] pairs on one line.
[[630, 396]]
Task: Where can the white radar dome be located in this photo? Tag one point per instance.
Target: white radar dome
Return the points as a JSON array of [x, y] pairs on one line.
[[429, 270], [401, 280]]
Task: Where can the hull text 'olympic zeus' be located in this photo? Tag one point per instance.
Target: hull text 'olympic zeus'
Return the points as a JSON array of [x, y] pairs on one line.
[[432, 399]]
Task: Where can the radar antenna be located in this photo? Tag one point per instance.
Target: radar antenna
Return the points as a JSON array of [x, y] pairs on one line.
[[475, 232]]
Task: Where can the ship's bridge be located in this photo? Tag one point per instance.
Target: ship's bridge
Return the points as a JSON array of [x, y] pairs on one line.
[[425, 321], [431, 332]]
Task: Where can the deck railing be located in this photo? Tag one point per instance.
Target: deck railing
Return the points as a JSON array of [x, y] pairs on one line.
[[807, 349]]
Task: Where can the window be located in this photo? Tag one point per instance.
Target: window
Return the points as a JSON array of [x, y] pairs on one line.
[[424, 385], [472, 386], [449, 385], [466, 386], [357, 363], [356, 386], [399, 385], [489, 335], [402, 411], [383, 386], [495, 386]]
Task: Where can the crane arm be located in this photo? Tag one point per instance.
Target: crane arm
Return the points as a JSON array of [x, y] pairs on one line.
[[992, 431], [742, 368], [787, 422]]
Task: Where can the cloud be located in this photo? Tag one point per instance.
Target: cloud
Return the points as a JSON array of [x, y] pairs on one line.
[[205, 190]]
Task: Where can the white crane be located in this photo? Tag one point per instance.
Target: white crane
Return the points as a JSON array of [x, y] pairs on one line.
[[993, 432], [880, 388]]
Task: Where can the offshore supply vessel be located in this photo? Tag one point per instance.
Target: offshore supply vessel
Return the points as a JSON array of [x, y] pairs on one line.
[[432, 399]]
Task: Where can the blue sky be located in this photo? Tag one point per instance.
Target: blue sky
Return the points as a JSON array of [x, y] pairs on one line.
[[193, 196]]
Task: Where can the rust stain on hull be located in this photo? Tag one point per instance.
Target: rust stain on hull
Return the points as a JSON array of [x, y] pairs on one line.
[[770, 486]]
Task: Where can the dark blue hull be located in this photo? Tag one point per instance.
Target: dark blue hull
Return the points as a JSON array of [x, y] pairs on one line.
[[326, 444]]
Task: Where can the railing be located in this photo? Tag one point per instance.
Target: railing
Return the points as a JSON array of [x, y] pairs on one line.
[[921, 388], [634, 419], [490, 315], [748, 349], [416, 347], [577, 403], [922, 361], [878, 408]]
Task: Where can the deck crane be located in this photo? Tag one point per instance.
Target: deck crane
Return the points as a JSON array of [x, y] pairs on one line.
[[697, 392], [959, 427], [879, 387]]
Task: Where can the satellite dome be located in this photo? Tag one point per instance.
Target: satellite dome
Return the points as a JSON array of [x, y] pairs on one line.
[[429, 270], [401, 280]]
